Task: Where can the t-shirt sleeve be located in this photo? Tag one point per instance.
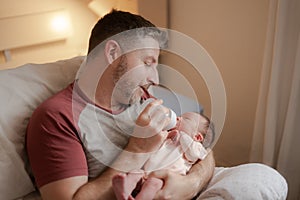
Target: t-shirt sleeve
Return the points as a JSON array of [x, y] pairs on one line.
[[53, 148]]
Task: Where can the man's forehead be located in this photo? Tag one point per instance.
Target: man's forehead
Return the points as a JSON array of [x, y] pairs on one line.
[[148, 51], [144, 44]]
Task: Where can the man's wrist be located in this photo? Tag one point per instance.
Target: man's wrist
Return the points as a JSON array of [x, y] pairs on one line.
[[201, 172], [128, 161]]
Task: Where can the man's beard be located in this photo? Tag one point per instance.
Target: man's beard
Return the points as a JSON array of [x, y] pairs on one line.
[[121, 69], [125, 88]]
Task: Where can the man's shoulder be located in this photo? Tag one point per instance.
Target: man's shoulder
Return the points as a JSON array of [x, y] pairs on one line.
[[57, 105], [59, 100]]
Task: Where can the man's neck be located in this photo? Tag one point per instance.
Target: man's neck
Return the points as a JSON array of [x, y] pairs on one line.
[[101, 96]]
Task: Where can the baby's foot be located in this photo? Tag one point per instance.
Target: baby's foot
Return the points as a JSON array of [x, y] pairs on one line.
[[123, 184]]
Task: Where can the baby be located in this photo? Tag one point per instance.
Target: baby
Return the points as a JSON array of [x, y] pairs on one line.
[[184, 146]]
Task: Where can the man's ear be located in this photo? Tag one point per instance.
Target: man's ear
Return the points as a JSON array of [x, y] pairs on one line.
[[112, 51]]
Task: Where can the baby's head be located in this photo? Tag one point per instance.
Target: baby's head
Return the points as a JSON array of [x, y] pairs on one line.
[[197, 126]]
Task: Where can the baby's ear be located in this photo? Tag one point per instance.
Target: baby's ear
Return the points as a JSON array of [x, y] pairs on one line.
[[199, 137]]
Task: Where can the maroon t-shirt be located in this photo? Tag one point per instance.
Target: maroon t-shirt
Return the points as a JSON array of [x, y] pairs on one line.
[[68, 135], [54, 154]]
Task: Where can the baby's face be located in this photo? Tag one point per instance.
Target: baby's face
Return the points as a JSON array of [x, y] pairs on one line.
[[193, 124]]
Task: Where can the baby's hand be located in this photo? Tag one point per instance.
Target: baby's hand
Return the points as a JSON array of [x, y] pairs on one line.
[[192, 150], [174, 135]]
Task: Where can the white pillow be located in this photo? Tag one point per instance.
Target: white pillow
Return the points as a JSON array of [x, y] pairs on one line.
[[22, 89]]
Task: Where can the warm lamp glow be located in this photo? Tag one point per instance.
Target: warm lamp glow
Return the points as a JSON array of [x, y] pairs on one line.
[[60, 23], [34, 28]]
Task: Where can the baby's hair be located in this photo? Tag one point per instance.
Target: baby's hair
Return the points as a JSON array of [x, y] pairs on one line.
[[209, 129]]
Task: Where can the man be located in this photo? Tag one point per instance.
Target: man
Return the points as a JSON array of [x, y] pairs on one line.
[[77, 140]]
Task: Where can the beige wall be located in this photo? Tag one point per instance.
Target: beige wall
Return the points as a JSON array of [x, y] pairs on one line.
[[82, 21], [233, 32], [154, 10]]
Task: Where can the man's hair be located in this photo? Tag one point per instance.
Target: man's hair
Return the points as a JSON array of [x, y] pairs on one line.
[[117, 22]]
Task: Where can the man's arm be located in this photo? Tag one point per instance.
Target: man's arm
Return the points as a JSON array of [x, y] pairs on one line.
[[178, 186], [202, 172], [100, 188], [132, 158]]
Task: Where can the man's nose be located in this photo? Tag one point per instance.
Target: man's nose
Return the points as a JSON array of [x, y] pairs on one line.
[[153, 76]]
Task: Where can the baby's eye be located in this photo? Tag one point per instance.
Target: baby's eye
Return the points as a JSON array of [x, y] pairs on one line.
[[148, 63]]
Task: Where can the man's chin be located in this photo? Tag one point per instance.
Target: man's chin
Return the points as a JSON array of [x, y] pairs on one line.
[[134, 100], [136, 97]]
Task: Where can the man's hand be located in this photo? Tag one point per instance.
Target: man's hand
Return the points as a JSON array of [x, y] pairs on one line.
[[178, 186], [148, 135]]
